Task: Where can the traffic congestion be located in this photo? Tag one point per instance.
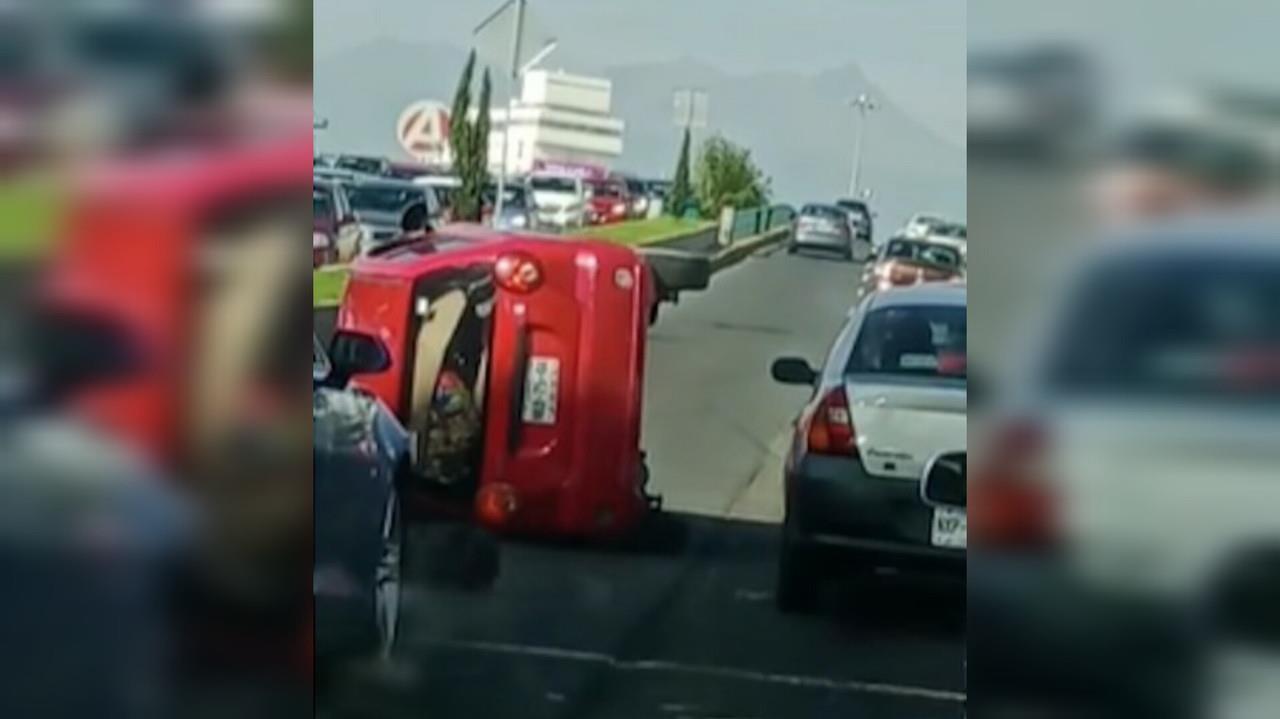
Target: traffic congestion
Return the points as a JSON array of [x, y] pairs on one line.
[[649, 435]]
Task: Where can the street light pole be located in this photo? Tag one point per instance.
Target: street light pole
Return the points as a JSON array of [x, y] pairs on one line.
[[506, 125], [863, 104]]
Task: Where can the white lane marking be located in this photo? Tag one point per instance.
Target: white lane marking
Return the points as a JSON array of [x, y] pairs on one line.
[[657, 665]]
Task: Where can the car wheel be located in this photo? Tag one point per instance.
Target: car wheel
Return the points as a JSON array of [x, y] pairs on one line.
[[387, 579], [796, 590], [848, 254], [791, 249]]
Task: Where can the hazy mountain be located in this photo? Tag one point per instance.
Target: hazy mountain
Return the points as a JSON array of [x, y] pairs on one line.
[[798, 126]]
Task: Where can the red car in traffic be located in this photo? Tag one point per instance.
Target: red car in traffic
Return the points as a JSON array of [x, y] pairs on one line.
[[608, 201], [517, 362]]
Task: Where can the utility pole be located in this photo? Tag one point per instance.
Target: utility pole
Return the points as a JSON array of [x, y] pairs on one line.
[[863, 104], [506, 125]]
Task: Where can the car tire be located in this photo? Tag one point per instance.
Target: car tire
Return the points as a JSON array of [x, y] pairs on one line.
[[848, 254], [792, 249], [796, 590], [381, 628]]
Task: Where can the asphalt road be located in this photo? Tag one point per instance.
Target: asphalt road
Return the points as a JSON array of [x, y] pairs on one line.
[[686, 628]]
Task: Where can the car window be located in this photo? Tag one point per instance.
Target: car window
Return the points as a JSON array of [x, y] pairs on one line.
[[1172, 327], [921, 341], [360, 164], [553, 184], [918, 251], [383, 198], [322, 206], [824, 211]]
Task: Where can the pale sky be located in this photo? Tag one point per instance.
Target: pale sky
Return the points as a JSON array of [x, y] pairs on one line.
[[913, 49]]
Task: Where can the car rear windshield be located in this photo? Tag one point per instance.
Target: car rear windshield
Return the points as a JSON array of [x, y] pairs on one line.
[[925, 252], [1175, 327], [824, 211], [914, 341], [383, 198]]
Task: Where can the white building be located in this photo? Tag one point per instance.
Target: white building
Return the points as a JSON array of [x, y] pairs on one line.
[[558, 118]]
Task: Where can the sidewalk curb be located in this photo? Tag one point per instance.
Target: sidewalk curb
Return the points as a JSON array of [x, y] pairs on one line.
[[740, 250]]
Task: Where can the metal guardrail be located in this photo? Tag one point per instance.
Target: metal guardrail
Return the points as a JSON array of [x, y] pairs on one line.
[[749, 222]]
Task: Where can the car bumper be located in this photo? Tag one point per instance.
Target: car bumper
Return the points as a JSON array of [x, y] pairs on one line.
[[834, 503], [559, 219], [824, 240]]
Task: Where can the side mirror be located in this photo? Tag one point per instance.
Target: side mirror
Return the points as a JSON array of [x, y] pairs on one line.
[[793, 370], [944, 483], [353, 353]]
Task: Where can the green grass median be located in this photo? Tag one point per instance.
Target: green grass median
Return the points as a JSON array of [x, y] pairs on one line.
[[645, 232], [30, 213], [327, 284]]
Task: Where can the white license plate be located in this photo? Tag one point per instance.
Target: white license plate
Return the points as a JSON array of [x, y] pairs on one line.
[[541, 389], [950, 528]]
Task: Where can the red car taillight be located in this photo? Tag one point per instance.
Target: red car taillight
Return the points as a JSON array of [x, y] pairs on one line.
[[1011, 503], [518, 272], [830, 429]]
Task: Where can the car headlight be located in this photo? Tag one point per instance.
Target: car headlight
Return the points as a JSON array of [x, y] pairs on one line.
[[619, 208], [519, 221]]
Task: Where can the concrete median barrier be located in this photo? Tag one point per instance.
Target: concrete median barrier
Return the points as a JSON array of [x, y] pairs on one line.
[[747, 246]]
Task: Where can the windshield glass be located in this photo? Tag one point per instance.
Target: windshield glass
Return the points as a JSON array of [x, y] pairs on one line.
[[383, 198], [856, 208], [917, 341], [825, 212], [553, 184], [926, 252], [1176, 327], [512, 195], [603, 189], [360, 164], [321, 206]]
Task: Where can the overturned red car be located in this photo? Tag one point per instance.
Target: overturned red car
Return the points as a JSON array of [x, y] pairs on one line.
[[517, 362]]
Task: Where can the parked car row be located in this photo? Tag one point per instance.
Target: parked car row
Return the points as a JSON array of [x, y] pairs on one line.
[[355, 213], [543, 200]]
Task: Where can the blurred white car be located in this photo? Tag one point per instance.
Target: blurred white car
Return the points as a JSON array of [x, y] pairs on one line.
[[1132, 466], [559, 201]]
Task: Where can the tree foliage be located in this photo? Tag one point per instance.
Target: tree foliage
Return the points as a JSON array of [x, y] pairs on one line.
[[467, 143], [726, 176], [681, 190]]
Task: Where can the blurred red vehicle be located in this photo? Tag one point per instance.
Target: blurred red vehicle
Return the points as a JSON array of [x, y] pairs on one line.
[[173, 318], [517, 362], [608, 200]]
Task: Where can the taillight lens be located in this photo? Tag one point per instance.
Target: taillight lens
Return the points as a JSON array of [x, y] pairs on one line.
[[830, 429], [1011, 502], [518, 272], [496, 504]]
